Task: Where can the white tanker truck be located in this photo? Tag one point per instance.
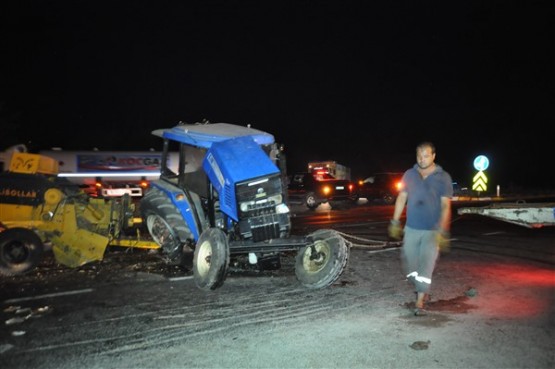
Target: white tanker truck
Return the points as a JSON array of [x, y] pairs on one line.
[[110, 173], [105, 173]]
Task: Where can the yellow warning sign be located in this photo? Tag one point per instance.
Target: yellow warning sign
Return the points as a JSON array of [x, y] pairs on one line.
[[480, 182]]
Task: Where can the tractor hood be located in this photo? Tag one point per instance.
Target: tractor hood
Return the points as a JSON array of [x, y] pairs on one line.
[[236, 161]]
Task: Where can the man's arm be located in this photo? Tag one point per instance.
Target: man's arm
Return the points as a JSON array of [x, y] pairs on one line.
[[400, 205], [394, 229], [445, 217]]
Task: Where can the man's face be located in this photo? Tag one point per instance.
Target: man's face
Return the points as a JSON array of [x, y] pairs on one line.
[[425, 157]]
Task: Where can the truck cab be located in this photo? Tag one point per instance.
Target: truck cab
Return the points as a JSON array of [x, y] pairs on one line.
[[313, 189]]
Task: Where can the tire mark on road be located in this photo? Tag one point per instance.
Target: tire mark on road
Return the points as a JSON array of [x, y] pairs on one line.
[[221, 314]]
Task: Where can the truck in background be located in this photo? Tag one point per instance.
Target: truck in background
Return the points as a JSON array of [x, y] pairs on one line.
[[333, 168], [313, 190], [103, 173], [110, 173]]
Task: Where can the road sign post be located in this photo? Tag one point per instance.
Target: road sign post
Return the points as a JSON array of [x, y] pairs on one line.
[[480, 180]]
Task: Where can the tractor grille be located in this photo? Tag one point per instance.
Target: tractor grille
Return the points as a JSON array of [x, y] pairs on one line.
[[257, 201], [264, 227]]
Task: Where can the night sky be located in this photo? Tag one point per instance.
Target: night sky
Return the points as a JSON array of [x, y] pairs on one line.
[[359, 82]]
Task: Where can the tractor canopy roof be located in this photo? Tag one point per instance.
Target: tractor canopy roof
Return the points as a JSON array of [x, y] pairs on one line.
[[205, 134]]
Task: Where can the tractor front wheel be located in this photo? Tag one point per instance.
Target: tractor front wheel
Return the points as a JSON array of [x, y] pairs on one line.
[[320, 264], [211, 259]]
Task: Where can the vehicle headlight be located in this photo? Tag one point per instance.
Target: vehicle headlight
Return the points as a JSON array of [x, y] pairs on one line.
[[282, 209], [277, 199], [248, 205], [245, 205]]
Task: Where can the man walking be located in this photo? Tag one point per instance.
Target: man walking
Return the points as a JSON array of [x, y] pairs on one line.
[[427, 191]]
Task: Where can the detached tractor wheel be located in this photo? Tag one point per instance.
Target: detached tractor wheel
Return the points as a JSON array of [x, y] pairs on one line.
[[211, 260], [310, 201], [320, 264], [164, 223], [20, 251]]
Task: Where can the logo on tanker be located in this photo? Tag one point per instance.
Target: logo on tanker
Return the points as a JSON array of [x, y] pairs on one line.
[[94, 162]]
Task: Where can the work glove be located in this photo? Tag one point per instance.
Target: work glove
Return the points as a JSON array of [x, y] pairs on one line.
[[443, 241], [395, 230]]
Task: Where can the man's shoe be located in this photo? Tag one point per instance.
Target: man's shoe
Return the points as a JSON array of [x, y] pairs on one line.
[[420, 312]]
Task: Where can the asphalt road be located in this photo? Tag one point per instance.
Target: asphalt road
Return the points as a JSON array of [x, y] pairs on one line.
[[492, 307]]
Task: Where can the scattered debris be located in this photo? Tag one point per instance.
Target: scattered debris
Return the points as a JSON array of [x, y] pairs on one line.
[[5, 347], [43, 309], [26, 311], [17, 320], [23, 314], [11, 309], [471, 292], [420, 345]]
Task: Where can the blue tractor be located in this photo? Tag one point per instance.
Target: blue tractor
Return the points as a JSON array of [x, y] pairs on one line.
[[225, 200]]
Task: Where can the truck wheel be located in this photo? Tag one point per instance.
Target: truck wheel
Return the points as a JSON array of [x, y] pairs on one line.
[[164, 223], [320, 264], [388, 198], [20, 251], [211, 259], [310, 201]]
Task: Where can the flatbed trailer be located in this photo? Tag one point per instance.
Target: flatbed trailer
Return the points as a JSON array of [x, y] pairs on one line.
[[532, 215]]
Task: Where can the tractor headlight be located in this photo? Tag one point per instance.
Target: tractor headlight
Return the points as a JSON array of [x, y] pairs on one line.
[[262, 203], [282, 209]]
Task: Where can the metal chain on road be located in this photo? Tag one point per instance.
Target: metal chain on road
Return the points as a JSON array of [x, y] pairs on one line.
[[374, 244], [368, 243]]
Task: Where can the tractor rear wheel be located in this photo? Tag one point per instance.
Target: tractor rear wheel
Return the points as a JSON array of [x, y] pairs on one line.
[[164, 223]]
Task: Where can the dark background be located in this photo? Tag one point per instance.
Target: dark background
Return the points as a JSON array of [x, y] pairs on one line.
[[357, 82]]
